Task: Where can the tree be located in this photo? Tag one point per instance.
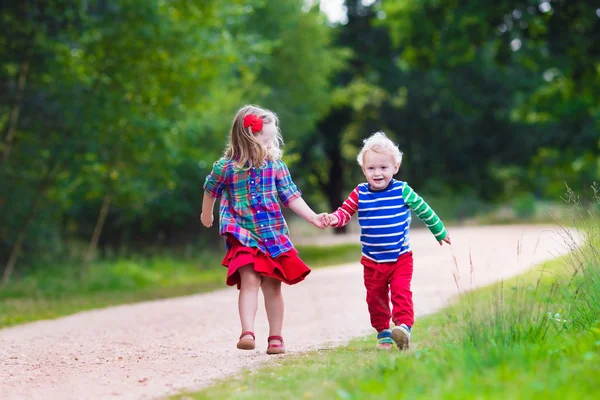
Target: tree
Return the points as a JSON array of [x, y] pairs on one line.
[[542, 52], [367, 81], [105, 107]]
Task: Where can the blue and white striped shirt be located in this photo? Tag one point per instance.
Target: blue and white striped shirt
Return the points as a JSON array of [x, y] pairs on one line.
[[385, 217]]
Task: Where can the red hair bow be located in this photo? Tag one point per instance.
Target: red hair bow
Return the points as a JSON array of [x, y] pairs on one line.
[[256, 123]]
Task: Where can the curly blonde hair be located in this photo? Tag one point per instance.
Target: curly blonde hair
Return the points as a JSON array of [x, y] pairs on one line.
[[379, 143], [244, 148]]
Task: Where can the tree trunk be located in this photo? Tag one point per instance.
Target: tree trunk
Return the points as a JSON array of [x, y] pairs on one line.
[[336, 185], [98, 229], [331, 131], [13, 120], [16, 249]]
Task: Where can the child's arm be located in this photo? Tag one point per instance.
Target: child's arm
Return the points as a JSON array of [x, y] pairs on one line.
[[213, 189], [208, 204], [425, 214], [291, 197], [299, 206], [344, 213]]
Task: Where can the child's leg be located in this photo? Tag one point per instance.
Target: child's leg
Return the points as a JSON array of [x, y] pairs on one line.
[[271, 289], [248, 298], [378, 299], [402, 304]]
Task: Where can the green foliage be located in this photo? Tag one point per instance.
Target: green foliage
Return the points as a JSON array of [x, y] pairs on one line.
[[123, 107], [112, 112], [536, 63], [298, 69], [316, 256], [524, 205], [456, 207], [50, 290]]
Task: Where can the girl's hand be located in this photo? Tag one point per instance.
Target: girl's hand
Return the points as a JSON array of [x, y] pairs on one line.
[[446, 239], [207, 219], [320, 221]]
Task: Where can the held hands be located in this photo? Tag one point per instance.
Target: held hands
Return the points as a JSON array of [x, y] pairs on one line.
[[324, 220], [332, 220], [320, 221], [207, 219], [446, 239]]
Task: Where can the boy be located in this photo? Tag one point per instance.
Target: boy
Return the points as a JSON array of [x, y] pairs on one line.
[[384, 205]]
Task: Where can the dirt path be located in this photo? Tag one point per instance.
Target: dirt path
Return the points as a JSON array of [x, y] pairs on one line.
[[153, 349]]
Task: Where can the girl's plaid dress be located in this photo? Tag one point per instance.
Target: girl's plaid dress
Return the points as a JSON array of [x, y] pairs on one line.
[[251, 221]]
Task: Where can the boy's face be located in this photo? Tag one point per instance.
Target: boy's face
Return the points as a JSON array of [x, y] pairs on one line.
[[379, 169]]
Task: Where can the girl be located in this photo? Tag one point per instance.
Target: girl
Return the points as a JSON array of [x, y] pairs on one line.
[[251, 179]]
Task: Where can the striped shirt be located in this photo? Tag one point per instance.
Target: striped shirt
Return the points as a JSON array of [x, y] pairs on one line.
[[385, 216], [249, 208]]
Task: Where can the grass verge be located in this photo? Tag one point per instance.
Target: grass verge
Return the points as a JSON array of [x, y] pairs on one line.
[[537, 335], [53, 291]]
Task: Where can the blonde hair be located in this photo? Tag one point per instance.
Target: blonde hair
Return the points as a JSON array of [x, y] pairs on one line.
[[244, 148], [379, 143]]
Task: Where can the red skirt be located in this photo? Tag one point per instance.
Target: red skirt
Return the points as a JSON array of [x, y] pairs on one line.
[[287, 267]]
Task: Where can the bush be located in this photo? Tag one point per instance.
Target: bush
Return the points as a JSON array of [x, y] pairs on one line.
[[524, 205]]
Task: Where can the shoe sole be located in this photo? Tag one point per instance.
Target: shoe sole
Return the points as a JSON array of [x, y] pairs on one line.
[[402, 341], [246, 344]]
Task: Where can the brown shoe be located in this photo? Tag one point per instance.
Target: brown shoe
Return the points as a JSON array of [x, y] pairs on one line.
[[401, 335], [246, 343], [275, 348]]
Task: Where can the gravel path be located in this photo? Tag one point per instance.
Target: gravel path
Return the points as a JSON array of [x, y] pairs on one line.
[[152, 349]]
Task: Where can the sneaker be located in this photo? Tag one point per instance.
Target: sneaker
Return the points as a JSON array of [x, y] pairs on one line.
[[401, 335], [384, 340]]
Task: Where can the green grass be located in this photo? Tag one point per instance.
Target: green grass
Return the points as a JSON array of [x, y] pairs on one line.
[[51, 291], [437, 369], [523, 209], [534, 336], [319, 256]]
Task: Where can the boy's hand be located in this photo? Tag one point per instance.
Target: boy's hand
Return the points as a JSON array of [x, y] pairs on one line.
[[446, 239], [207, 220], [332, 219]]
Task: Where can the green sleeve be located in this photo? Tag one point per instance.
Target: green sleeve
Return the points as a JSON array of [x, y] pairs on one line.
[[424, 212]]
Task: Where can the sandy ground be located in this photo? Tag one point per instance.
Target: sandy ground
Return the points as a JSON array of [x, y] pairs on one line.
[[153, 349]]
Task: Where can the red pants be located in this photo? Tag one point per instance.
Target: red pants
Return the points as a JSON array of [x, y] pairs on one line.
[[381, 279]]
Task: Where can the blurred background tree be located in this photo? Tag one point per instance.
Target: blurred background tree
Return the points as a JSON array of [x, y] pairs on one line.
[[113, 111]]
